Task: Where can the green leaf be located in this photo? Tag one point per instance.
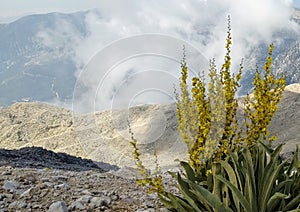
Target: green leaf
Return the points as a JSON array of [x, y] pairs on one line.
[[173, 203], [284, 186], [250, 182], [268, 149], [190, 174], [261, 161], [212, 200], [238, 193], [296, 210], [216, 169], [187, 194], [293, 203], [270, 175], [232, 178], [237, 168], [274, 200], [166, 201], [179, 204]]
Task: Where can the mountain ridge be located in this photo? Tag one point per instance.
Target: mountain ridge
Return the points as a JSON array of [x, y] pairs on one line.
[[103, 136]]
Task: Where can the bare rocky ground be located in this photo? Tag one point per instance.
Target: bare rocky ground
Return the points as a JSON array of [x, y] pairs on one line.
[[35, 179], [41, 180]]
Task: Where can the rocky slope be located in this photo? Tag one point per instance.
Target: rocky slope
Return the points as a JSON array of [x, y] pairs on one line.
[[36, 179], [38, 157], [104, 136], [101, 136], [58, 190]]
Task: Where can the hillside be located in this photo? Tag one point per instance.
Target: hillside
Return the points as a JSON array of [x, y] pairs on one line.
[[104, 136], [27, 57], [42, 50]]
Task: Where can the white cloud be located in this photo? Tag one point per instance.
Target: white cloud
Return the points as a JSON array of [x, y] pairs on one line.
[[202, 24]]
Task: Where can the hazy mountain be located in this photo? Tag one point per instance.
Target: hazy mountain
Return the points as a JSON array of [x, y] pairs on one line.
[[32, 70], [38, 58], [286, 58]]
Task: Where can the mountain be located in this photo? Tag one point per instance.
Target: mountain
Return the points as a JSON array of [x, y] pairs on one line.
[[27, 60], [286, 58], [103, 136], [38, 57]]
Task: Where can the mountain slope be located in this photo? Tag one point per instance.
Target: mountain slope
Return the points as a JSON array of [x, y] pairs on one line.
[[104, 136], [26, 59]]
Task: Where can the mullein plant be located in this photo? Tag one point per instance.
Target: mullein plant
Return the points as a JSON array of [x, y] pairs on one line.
[[208, 117], [228, 168], [249, 179], [153, 183], [260, 109]]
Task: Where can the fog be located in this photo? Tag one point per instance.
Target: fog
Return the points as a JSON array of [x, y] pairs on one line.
[[133, 50]]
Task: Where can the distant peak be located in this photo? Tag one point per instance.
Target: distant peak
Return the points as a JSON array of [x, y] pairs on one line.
[[293, 88]]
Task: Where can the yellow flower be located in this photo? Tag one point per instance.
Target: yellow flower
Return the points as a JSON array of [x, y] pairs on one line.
[[208, 172]]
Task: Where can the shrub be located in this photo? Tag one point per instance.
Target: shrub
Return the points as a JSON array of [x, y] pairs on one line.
[[209, 119], [244, 181], [228, 169]]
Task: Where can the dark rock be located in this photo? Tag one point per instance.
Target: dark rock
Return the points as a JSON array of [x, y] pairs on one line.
[[37, 157]]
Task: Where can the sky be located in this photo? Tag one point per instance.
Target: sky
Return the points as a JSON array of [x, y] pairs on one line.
[[297, 3], [15, 8], [124, 25], [10, 9]]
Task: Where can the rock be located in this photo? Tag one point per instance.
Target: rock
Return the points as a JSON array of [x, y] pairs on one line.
[[59, 206], [46, 160], [60, 178], [86, 192], [148, 200], [108, 192], [100, 201], [26, 193], [164, 210], [84, 199], [47, 185], [45, 179], [17, 205], [145, 210], [106, 201], [9, 196], [62, 186], [148, 204], [7, 172], [127, 173], [11, 185], [76, 205], [114, 197], [35, 207]]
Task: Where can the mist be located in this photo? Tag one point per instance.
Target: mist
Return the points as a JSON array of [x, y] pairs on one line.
[[133, 49]]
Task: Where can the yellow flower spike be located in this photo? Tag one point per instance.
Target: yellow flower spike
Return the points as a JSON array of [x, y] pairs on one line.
[[208, 172]]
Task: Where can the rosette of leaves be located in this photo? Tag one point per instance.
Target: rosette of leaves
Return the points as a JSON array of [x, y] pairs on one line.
[[253, 178]]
